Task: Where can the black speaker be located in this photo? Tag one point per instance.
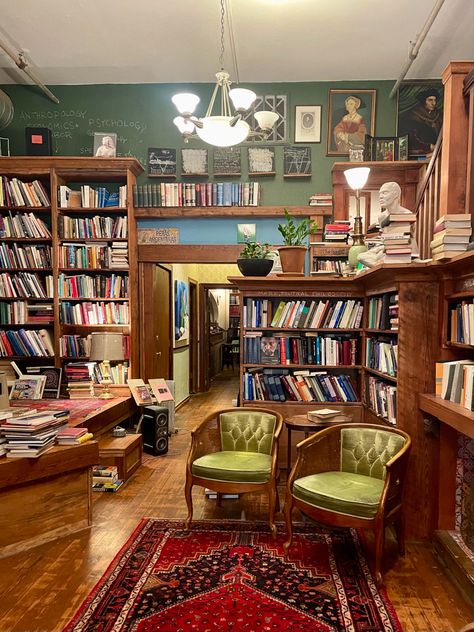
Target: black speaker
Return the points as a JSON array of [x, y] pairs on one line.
[[155, 430]]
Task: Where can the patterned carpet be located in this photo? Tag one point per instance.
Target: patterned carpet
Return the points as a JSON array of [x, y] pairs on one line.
[[231, 576]]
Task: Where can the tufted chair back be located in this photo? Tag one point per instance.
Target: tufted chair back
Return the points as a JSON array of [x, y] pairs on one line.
[[247, 431], [366, 451]]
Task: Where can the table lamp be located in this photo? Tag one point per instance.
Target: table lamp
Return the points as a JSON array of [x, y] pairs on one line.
[[356, 179], [106, 347]]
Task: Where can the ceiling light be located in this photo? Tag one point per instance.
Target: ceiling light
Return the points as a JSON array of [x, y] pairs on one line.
[[227, 128]]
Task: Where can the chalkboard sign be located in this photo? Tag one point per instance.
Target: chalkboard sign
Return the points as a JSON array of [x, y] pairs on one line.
[[296, 162], [262, 161], [194, 162], [161, 162], [227, 161]]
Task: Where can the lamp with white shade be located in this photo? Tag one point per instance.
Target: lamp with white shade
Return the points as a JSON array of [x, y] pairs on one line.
[[106, 347], [356, 179]]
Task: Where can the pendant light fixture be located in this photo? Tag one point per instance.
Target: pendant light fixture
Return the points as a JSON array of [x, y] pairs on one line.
[[226, 128]]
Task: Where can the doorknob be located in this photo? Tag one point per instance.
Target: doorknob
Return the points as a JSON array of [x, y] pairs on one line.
[[158, 353], [157, 337]]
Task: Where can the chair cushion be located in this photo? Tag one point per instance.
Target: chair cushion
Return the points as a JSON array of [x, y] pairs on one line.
[[367, 450], [234, 466], [341, 492], [247, 431]]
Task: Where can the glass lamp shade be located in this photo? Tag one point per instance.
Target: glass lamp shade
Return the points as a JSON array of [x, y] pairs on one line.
[[266, 120], [356, 178], [216, 130], [185, 126], [186, 102], [242, 98]]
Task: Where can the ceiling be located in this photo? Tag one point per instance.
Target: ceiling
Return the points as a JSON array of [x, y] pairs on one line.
[[168, 41]]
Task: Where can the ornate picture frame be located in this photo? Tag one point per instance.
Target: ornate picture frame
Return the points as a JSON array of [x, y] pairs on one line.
[[351, 115]]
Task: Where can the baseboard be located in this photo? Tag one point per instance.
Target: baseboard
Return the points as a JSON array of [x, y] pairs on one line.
[[455, 563]]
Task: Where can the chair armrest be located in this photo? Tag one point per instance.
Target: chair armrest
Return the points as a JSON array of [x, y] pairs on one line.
[[205, 439]]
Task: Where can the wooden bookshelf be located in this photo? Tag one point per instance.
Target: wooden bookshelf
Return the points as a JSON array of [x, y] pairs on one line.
[[454, 415], [231, 211]]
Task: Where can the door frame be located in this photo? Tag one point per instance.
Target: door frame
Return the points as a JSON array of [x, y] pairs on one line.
[[194, 369]]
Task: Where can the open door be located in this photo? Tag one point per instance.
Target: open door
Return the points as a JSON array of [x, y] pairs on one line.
[[193, 337]]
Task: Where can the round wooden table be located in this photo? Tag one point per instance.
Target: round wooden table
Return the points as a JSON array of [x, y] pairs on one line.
[[303, 424]]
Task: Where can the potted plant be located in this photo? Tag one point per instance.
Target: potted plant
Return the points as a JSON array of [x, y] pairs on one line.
[[293, 253], [255, 259]]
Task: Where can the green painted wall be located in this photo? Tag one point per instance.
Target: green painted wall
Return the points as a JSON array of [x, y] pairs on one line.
[[142, 117]]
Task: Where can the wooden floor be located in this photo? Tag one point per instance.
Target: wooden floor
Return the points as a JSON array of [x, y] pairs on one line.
[[41, 590]]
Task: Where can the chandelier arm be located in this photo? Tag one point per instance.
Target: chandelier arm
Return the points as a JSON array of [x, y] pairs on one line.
[[211, 103]]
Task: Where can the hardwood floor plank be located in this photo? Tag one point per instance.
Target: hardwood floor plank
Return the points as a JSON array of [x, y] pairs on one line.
[[42, 589]]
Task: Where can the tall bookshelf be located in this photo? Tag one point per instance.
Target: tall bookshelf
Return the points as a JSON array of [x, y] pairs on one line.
[[110, 173]]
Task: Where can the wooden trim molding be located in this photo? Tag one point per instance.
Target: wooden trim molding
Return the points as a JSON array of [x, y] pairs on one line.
[[232, 211]]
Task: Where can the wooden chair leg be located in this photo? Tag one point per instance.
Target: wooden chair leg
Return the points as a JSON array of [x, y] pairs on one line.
[[219, 499], [188, 493], [399, 525], [379, 547], [288, 511], [272, 502]]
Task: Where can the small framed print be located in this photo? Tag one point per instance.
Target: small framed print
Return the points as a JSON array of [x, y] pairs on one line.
[[161, 162], [297, 162], [402, 147], [385, 148], [105, 144], [308, 123], [246, 233]]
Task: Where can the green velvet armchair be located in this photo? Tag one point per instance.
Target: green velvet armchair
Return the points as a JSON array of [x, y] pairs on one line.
[[235, 451], [351, 475]]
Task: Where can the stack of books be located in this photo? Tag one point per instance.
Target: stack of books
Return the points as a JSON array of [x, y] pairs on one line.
[[79, 381], [455, 382], [32, 434], [337, 232], [321, 199], [451, 236], [396, 237], [73, 436], [119, 255], [105, 478]]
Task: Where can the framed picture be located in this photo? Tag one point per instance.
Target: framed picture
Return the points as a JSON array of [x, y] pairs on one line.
[[308, 124], [181, 313], [402, 147], [420, 115], [194, 162], [351, 115], [227, 161], [384, 148], [105, 144], [161, 162], [296, 162], [53, 376], [261, 161], [246, 233]]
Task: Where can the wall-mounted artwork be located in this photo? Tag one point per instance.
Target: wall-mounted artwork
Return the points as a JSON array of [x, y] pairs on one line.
[[307, 124], [420, 115], [105, 145], [351, 115], [296, 162], [246, 233], [158, 235], [181, 313], [227, 161], [194, 162], [261, 161], [161, 162]]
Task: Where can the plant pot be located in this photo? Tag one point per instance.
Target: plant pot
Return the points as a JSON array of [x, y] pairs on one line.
[[255, 267], [292, 259]]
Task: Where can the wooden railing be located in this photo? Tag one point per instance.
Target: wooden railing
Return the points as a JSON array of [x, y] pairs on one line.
[[427, 200]]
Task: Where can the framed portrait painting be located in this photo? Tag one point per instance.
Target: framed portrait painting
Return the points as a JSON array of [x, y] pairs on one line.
[[351, 115], [181, 313], [420, 115], [308, 124]]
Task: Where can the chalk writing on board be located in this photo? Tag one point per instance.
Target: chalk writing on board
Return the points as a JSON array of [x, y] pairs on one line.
[[194, 161], [100, 123], [52, 115], [161, 161], [297, 161], [261, 160], [226, 161]]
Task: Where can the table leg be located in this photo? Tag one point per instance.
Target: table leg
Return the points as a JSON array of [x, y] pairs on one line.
[[288, 454]]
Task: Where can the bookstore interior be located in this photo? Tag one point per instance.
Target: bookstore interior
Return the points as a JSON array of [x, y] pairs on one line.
[[254, 327]]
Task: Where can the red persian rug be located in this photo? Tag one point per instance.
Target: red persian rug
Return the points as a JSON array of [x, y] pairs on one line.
[[231, 576]]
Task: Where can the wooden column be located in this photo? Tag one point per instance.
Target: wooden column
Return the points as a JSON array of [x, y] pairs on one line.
[[455, 137]]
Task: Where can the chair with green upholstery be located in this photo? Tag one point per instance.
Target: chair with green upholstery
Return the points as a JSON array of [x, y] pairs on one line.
[[351, 475], [235, 451]]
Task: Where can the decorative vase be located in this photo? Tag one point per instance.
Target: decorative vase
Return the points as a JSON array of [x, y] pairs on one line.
[[292, 259], [255, 267], [358, 245]]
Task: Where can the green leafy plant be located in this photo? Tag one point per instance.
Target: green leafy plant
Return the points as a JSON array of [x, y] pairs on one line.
[[255, 250], [294, 233]]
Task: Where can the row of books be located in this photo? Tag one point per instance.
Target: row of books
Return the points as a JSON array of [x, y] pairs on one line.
[[307, 349], [320, 199], [451, 235], [337, 231], [16, 256], [32, 433], [88, 197], [97, 227], [196, 194], [329, 313], [382, 399], [26, 342], [94, 255], [97, 286], [397, 237], [23, 313], [23, 226], [328, 265], [15, 192], [97, 313], [382, 310], [462, 322], [381, 355], [455, 382], [118, 373], [25, 285], [307, 386]]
